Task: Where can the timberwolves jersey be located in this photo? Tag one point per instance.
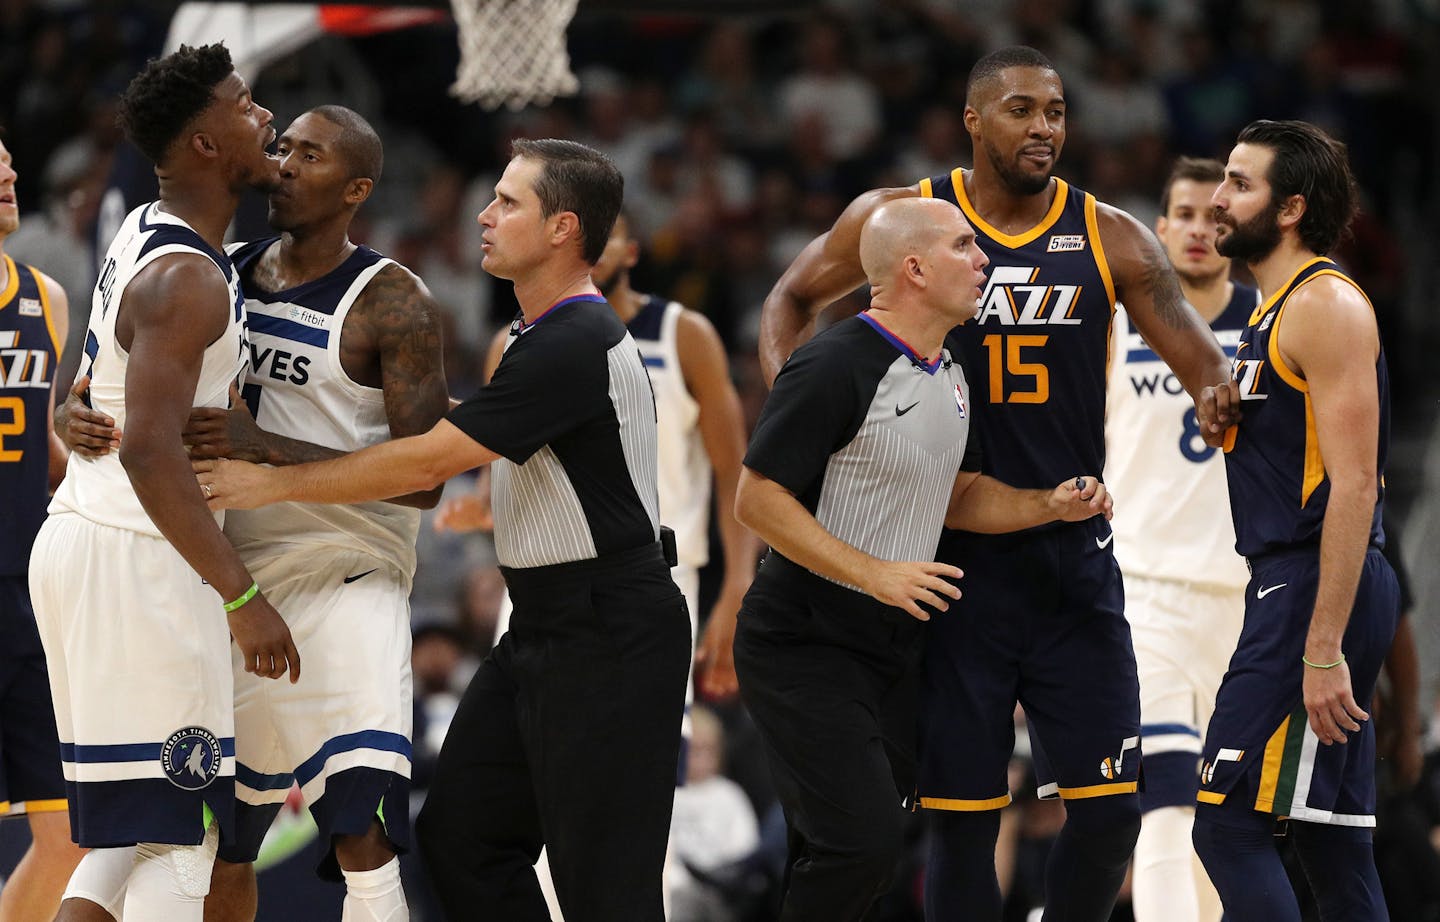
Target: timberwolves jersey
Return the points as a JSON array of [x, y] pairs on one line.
[[28, 353], [98, 488], [685, 474], [1278, 485], [1170, 481], [297, 388], [1038, 349]]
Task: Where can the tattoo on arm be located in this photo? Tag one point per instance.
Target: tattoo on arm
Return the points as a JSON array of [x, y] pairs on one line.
[[1157, 279], [405, 324]]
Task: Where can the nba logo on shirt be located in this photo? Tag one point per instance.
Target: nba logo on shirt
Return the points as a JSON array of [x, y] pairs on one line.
[[960, 401]]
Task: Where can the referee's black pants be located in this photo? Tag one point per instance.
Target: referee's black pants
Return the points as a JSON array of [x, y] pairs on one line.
[[567, 737], [834, 694]]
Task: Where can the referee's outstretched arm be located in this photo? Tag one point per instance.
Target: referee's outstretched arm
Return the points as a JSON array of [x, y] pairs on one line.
[[420, 462]]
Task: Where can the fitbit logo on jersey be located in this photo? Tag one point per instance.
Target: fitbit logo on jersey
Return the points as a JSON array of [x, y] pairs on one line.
[[191, 758]]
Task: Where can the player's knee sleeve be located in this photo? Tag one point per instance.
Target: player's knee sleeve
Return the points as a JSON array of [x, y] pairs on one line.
[[1238, 851], [1109, 827], [101, 877], [1165, 838], [187, 866], [960, 880], [1339, 862]]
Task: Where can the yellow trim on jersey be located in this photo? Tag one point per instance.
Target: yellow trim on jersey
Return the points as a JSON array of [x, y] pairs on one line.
[[12, 286], [1264, 306], [49, 318], [1015, 241], [45, 806], [4, 808], [1092, 228], [1314, 464], [1099, 790], [1270, 768], [927, 188], [1210, 797], [965, 806]]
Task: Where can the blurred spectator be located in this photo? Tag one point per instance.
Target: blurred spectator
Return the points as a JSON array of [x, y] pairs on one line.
[[827, 87], [713, 823]]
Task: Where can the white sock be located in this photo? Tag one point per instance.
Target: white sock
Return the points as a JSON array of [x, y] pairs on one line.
[[1164, 888], [101, 877], [170, 881], [375, 896]]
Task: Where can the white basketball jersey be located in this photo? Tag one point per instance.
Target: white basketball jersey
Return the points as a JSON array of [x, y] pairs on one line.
[[98, 488], [295, 387], [1172, 518], [685, 474]]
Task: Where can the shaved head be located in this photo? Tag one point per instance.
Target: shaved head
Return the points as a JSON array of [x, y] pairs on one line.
[[897, 230]]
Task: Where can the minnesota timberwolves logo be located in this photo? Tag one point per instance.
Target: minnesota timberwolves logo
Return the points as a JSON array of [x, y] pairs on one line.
[[191, 758]]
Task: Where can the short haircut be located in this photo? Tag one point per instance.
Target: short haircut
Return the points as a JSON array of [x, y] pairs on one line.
[[989, 67], [169, 94], [1309, 162], [358, 143], [578, 179], [1195, 169]]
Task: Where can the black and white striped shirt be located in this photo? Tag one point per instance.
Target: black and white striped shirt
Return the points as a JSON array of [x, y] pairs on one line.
[[571, 413], [869, 437]]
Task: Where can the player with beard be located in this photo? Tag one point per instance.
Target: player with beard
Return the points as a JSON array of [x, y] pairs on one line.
[[1185, 592], [1041, 620], [1306, 468]]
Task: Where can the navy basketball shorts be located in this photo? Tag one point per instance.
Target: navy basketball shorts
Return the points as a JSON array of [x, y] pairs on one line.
[[30, 777], [1041, 621], [1260, 753]]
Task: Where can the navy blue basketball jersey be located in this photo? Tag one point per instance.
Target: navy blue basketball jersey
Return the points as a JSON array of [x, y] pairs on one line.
[[1038, 351], [28, 355], [1278, 485]]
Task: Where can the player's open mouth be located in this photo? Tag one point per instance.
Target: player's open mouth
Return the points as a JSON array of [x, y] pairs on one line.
[[7, 198], [1039, 154]]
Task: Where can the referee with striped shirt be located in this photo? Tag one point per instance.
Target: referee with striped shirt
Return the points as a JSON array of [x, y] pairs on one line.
[[860, 454], [569, 734]]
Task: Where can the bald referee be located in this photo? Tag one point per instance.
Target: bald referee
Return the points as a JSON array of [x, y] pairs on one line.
[[569, 733], [859, 456]]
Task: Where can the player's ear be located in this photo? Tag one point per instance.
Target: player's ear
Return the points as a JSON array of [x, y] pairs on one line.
[[358, 191], [632, 253], [1160, 224], [915, 272], [203, 144], [1292, 210]]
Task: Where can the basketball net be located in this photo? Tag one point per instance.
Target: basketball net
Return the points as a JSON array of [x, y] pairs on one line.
[[512, 52]]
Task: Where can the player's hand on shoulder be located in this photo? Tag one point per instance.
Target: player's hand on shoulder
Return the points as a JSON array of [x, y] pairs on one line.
[[215, 432], [904, 584], [89, 433], [264, 640], [1082, 498], [235, 484], [1217, 408]]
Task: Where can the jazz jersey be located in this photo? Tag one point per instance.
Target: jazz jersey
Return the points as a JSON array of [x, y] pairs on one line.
[[1038, 349], [98, 488], [1278, 484], [296, 387], [1173, 484], [28, 353], [685, 473]]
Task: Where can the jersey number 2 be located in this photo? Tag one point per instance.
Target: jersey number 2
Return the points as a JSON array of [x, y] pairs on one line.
[[14, 426], [1005, 359]]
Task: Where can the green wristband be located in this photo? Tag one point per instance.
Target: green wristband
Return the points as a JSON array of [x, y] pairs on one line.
[[1304, 659], [245, 597]]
